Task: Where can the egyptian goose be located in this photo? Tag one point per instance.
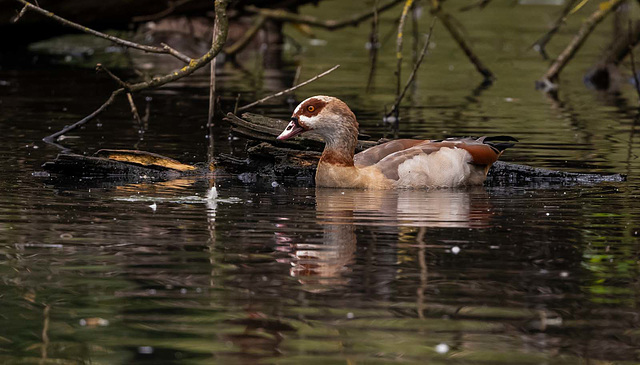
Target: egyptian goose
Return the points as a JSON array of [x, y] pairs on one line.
[[404, 163]]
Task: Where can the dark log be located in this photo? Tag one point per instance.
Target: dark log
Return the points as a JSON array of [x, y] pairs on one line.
[[260, 128], [121, 164], [271, 159]]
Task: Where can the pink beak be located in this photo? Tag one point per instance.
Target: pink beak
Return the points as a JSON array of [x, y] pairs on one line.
[[292, 130]]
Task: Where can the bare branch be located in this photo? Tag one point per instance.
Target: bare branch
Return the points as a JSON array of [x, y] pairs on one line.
[[124, 85], [134, 110], [165, 49], [373, 50], [289, 89], [20, 14], [161, 14], [572, 48], [315, 22], [241, 43], [415, 69], [217, 44], [540, 44], [52, 138], [633, 62], [212, 82], [445, 18], [399, 40]]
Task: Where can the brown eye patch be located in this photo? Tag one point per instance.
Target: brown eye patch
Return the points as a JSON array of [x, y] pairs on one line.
[[311, 107]]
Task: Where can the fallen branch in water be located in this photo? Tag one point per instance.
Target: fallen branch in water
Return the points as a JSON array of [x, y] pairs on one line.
[[134, 110], [412, 76], [605, 74], [540, 44], [445, 18], [284, 15], [221, 22], [165, 49], [110, 100], [551, 76], [289, 89]]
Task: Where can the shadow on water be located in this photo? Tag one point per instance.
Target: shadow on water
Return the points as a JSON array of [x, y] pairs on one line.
[[169, 272]]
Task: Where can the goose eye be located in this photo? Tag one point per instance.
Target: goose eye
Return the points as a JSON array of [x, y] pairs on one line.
[[311, 108]]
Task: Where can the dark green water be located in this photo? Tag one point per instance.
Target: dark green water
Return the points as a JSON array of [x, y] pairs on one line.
[[90, 273]]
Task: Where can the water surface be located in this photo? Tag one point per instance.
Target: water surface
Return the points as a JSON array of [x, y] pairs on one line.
[[94, 272]]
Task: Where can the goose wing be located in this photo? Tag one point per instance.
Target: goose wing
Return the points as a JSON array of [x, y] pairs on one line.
[[483, 151]]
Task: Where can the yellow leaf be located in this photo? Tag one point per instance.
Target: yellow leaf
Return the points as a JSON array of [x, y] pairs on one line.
[[578, 7], [606, 5]]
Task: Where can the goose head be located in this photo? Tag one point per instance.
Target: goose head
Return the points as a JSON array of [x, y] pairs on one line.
[[326, 116]]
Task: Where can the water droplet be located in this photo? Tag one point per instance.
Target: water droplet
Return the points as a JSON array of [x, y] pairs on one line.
[[455, 250], [147, 350], [442, 348]]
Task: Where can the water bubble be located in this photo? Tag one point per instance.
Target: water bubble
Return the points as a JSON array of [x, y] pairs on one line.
[[275, 184], [146, 350], [455, 250], [212, 193], [442, 348]]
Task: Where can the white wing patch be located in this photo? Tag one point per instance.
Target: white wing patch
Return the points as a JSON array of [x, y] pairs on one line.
[[448, 167]]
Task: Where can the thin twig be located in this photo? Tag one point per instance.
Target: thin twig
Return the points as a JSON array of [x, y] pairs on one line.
[[110, 100], [373, 50], [445, 18], [478, 4], [413, 74], [296, 77], [241, 43], [161, 14], [20, 14], [399, 40], [122, 84], [289, 89], [633, 62], [572, 48], [165, 49], [315, 22], [222, 23], [540, 44], [235, 107], [134, 110], [212, 83]]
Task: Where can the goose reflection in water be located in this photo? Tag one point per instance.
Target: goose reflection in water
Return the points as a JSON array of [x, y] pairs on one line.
[[322, 263]]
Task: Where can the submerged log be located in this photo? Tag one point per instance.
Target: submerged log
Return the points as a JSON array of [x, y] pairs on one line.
[[271, 159], [121, 164]]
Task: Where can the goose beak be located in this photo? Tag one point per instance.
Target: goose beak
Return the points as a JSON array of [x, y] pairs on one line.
[[292, 130]]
